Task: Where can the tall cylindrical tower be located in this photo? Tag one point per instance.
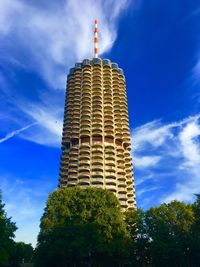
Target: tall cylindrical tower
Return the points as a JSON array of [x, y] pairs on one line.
[[96, 137]]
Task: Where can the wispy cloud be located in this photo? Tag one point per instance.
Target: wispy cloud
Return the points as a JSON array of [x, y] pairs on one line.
[[46, 39], [53, 37], [168, 155], [16, 132]]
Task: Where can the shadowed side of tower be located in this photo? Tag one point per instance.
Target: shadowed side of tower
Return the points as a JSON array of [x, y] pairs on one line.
[[96, 137]]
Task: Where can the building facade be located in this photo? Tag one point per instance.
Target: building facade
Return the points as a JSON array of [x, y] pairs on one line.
[[96, 148]]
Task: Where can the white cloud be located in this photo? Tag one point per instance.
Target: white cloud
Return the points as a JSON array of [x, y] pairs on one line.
[[190, 145], [49, 125], [168, 155], [147, 189], [55, 37], [16, 132], [46, 38], [145, 161], [152, 133]]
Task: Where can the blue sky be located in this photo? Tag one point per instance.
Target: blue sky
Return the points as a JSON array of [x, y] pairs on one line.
[[157, 43]]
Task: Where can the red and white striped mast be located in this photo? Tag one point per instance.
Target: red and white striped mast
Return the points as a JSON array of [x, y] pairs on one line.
[[96, 41]]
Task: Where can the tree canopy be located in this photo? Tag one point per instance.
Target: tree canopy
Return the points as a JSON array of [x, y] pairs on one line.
[[7, 230], [81, 226]]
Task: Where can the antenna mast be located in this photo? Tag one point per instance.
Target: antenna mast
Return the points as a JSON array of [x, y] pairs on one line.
[[96, 49]]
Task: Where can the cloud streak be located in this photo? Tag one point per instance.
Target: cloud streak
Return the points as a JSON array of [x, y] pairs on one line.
[[59, 34], [46, 39], [167, 154], [16, 132]]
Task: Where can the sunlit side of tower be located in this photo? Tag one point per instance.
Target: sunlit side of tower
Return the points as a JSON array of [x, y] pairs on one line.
[[96, 137]]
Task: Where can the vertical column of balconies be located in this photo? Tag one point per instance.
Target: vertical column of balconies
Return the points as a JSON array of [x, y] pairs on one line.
[[109, 147], [126, 140], [118, 120], [67, 130], [74, 135], [97, 166], [85, 125]]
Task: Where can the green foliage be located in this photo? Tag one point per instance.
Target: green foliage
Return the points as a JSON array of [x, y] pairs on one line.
[[136, 225], [22, 253], [82, 226], [169, 226], [85, 227], [165, 235], [7, 229], [196, 231]]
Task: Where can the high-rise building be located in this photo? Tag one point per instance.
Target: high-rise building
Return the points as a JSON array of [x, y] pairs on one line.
[[96, 137]]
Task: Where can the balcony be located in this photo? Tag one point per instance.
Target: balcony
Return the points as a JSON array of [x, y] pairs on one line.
[[121, 183], [72, 177], [87, 70], [123, 203], [64, 162], [96, 156], [111, 176], [108, 106], [111, 188], [86, 98], [85, 147], [86, 90], [110, 162], [63, 173], [121, 178], [97, 160], [96, 91], [84, 181], [110, 155], [97, 174], [118, 135], [84, 156], [121, 172], [110, 148], [84, 174], [84, 165], [85, 132], [97, 184], [130, 194], [85, 127], [97, 163], [122, 197], [129, 184], [71, 184], [109, 132], [85, 107], [97, 83], [97, 74], [97, 112], [121, 190], [73, 153], [110, 180]]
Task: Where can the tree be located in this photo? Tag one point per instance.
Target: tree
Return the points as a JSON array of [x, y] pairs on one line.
[[169, 227], [135, 220], [7, 230], [22, 253], [196, 233], [81, 227]]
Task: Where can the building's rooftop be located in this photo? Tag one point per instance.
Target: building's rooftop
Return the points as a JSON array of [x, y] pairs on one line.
[[95, 61]]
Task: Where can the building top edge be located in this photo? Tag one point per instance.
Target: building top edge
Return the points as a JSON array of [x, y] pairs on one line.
[[93, 62]]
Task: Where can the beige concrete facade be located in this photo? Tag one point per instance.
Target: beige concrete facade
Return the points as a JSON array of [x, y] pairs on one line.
[[96, 137]]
